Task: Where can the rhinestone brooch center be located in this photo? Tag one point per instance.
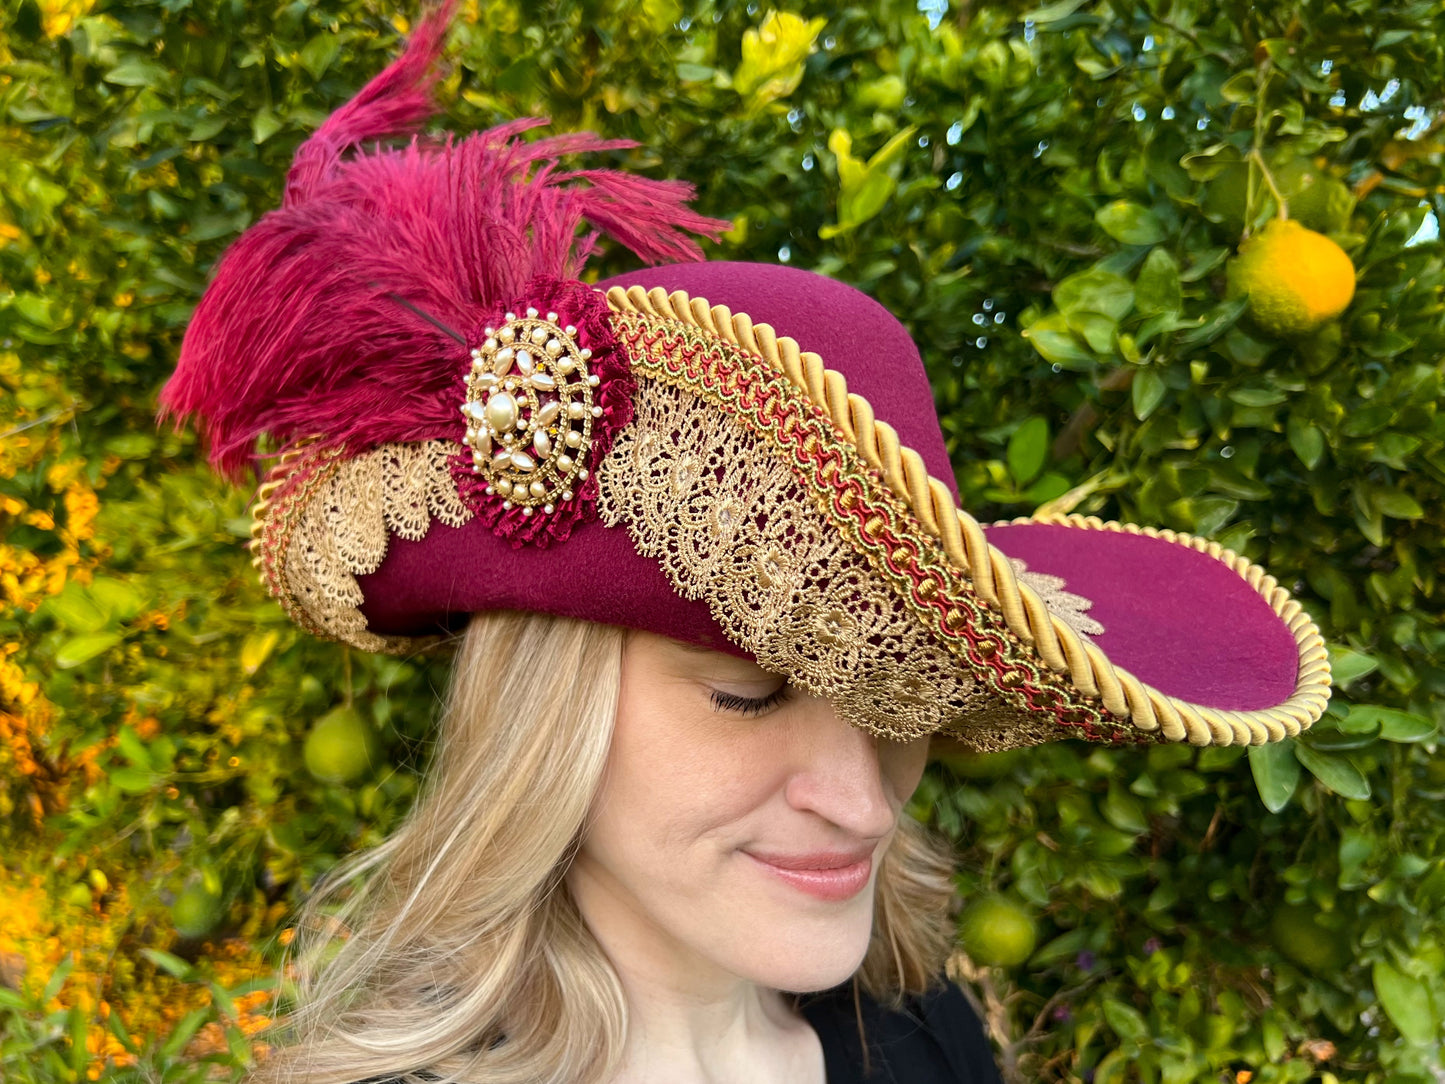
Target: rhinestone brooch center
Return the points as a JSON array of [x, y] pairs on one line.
[[529, 410]]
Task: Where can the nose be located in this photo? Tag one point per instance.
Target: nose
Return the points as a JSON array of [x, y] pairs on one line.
[[840, 777]]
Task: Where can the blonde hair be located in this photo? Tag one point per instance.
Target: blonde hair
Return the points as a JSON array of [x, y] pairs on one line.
[[458, 951]]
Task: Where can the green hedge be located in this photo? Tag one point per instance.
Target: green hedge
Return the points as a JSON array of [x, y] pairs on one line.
[[1049, 198]]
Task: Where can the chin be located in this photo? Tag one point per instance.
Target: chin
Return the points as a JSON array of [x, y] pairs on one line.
[[807, 953]]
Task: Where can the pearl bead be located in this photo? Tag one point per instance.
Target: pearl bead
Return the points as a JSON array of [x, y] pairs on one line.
[[532, 312], [564, 463], [522, 461], [573, 438], [501, 411], [537, 489]]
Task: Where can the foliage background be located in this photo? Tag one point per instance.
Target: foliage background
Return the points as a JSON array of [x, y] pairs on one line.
[[1030, 189]]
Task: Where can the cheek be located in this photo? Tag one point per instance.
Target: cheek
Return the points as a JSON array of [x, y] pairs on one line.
[[901, 764], [676, 792]]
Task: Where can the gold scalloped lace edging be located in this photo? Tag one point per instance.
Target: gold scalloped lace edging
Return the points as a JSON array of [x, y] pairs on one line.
[[326, 520], [989, 573]]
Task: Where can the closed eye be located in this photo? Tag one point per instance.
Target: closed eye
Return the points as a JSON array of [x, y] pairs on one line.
[[748, 705]]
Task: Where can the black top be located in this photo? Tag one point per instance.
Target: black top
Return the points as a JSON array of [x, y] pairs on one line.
[[933, 1039]]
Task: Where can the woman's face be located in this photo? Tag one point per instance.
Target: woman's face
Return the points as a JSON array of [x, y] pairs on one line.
[[739, 825]]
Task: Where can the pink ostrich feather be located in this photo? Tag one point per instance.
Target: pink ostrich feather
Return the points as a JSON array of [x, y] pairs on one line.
[[346, 315]]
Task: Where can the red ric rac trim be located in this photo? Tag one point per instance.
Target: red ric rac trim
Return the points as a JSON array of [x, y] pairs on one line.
[[855, 498]]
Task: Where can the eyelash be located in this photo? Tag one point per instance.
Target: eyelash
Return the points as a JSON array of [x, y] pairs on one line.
[[746, 705]]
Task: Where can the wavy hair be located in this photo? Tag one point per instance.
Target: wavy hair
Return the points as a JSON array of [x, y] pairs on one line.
[[453, 952]]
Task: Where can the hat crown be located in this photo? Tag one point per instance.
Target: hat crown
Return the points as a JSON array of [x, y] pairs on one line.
[[852, 333]]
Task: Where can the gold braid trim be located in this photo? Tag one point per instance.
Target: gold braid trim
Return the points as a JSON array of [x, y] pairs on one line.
[[992, 574]]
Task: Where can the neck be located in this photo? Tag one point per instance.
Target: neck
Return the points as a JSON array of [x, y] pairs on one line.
[[689, 1021]]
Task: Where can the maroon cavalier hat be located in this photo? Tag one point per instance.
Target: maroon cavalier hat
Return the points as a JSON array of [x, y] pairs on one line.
[[696, 449]]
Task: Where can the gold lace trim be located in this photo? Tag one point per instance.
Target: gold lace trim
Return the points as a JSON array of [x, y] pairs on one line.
[[1069, 608], [341, 528], [731, 524]]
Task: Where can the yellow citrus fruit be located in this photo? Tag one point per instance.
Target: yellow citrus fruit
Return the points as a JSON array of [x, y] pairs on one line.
[[1296, 279], [341, 747], [997, 932], [196, 911], [1297, 933]]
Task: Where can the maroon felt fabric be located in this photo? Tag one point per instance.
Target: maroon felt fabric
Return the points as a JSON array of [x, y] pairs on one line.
[[596, 575], [1175, 618]]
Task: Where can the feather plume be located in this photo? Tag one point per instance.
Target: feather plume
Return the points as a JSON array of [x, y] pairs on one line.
[[336, 317]]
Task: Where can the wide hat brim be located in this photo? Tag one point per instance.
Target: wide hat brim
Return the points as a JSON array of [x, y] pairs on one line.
[[757, 502]]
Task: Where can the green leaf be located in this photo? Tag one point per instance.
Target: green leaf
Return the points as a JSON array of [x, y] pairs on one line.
[[1396, 503], [1095, 291], [76, 609], [264, 124], [1052, 13], [82, 649], [134, 780], [1306, 440], [1157, 289], [1128, 1023], [1028, 450], [1406, 1001], [169, 963], [133, 748], [1276, 772], [1334, 771], [208, 128], [1223, 317], [318, 54], [1147, 392], [1096, 329], [135, 72], [1053, 339], [1404, 727], [1124, 811], [1130, 223], [1348, 666]]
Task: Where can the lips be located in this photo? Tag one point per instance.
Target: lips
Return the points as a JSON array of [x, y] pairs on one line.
[[825, 875]]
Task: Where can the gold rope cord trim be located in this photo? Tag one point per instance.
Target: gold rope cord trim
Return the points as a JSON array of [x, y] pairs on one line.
[[991, 573], [326, 520], [730, 523]]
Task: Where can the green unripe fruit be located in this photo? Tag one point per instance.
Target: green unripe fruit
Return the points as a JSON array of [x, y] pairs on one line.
[[196, 911], [997, 932], [341, 747]]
